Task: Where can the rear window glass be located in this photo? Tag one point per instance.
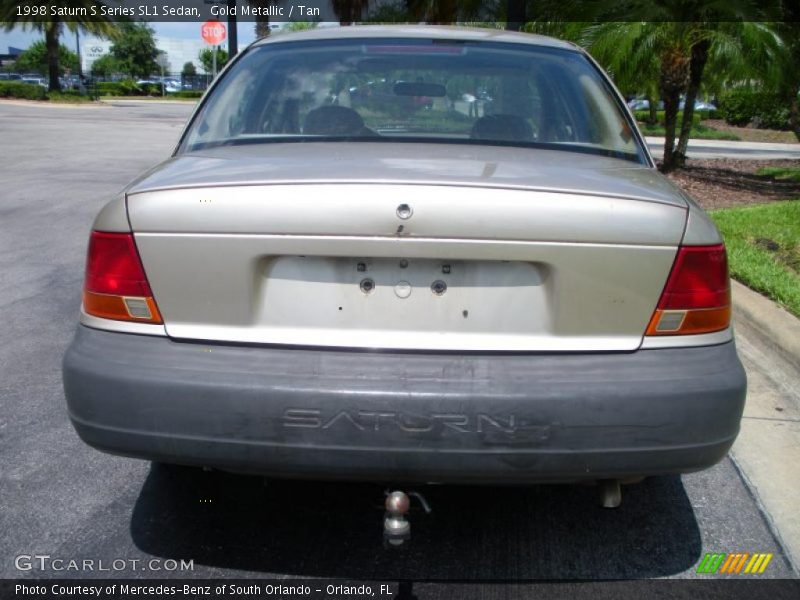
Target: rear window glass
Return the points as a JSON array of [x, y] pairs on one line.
[[414, 90]]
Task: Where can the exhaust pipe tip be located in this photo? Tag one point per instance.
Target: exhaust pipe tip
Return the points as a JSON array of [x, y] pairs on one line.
[[609, 492]]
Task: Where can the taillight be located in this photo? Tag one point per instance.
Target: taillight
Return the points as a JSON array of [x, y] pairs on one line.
[[697, 297], [116, 286]]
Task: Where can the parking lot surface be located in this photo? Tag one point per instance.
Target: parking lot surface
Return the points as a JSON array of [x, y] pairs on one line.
[[62, 498]]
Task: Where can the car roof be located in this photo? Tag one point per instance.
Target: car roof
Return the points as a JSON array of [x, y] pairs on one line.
[[442, 32]]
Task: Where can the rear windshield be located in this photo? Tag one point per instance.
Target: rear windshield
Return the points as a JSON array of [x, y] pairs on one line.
[[421, 91]]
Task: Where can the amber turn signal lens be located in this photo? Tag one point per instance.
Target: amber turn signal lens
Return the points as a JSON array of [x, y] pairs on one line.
[[686, 322], [121, 308]]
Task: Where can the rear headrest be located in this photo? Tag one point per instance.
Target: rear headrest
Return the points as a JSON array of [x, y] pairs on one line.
[[333, 120], [506, 128]]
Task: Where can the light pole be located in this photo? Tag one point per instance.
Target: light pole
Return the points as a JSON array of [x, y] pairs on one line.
[[80, 60], [163, 64]]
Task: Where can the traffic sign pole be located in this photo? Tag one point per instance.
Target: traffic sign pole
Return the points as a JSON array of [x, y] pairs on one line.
[[213, 32], [233, 37]]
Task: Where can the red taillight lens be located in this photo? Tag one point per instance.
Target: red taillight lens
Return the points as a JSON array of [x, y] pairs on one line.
[[699, 279], [116, 286], [697, 297], [113, 266]]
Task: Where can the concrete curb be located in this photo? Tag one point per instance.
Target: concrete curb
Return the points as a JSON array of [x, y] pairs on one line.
[[48, 104], [135, 101], [777, 327]]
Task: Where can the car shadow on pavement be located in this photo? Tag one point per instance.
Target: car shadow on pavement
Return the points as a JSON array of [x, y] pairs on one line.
[[474, 533]]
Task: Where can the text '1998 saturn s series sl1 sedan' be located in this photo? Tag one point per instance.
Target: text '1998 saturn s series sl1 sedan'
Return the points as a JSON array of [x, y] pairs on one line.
[[408, 254]]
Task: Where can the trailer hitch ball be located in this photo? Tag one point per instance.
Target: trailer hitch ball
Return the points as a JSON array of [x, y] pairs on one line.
[[396, 528]]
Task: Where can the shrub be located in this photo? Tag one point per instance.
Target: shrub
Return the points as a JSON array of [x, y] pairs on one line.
[[27, 91], [187, 94], [644, 115], [69, 97], [151, 89], [109, 88], [743, 106], [128, 87], [123, 87]]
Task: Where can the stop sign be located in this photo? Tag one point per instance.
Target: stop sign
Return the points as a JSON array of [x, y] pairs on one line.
[[213, 32]]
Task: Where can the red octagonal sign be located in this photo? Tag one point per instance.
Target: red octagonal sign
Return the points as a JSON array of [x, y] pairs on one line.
[[213, 32]]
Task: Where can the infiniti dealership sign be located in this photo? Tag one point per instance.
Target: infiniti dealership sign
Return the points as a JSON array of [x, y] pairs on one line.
[[91, 50]]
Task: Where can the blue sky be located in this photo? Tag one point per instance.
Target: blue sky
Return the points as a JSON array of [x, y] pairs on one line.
[[22, 39]]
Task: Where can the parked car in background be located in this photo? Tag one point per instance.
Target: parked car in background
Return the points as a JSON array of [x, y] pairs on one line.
[[639, 104], [699, 105], [34, 81], [172, 85], [327, 284], [643, 104]]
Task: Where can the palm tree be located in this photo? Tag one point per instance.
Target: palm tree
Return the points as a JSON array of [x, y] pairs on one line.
[[262, 19], [666, 44], [349, 11], [783, 74], [443, 12], [515, 14], [626, 52], [742, 49], [11, 16], [641, 54], [680, 51]]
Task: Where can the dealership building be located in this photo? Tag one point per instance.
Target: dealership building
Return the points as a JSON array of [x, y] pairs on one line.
[[178, 51]]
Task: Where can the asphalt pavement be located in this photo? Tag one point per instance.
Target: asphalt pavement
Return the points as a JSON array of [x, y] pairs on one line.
[[62, 498]]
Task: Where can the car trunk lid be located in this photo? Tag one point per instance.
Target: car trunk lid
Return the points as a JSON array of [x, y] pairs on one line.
[[464, 261]]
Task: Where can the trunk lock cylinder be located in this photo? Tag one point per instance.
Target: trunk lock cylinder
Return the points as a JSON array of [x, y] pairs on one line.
[[367, 285], [404, 211]]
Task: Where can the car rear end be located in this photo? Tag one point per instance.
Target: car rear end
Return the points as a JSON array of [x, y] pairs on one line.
[[406, 296]]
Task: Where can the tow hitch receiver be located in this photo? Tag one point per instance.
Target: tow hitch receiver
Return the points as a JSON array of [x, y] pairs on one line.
[[396, 527]]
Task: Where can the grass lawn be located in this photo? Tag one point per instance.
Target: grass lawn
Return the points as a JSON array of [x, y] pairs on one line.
[[62, 98], [763, 244], [699, 132], [784, 173]]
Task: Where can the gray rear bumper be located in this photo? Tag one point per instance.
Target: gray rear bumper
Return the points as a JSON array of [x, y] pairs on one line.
[[402, 416]]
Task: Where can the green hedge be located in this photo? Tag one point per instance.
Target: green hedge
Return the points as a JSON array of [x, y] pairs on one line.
[[644, 115], [109, 88], [127, 87], [187, 94], [152, 89], [743, 106], [69, 97], [28, 91]]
